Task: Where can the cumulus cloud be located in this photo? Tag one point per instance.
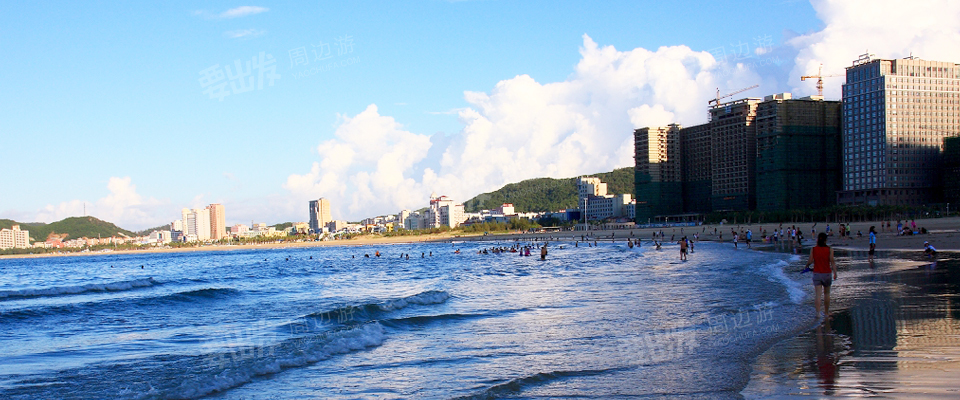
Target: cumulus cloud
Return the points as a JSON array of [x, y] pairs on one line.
[[519, 130], [123, 206], [363, 168], [890, 29], [523, 129]]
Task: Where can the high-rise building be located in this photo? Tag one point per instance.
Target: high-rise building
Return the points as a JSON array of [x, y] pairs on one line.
[[444, 211], [14, 238], [950, 172], [697, 160], [218, 224], [189, 223], [202, 223], [798, 153], [896, 114], [734, 155], [788, 147], [657, 175], [196, 224], [319, 214]]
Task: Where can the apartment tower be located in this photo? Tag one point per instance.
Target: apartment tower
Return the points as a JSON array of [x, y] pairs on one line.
[[896, 114]]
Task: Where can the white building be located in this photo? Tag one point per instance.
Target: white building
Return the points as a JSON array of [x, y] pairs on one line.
[[607, 206], [239, 229], [196, 223], [159, 237], [14, 238], [589, 186], [444, 211]]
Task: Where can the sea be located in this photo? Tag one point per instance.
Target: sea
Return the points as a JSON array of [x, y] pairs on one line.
[[419, 321]]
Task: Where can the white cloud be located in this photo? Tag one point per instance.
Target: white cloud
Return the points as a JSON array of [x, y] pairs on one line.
[[242, 33], [888, 28], [243, 11], [363, 167], [521, 129], [123, 206]]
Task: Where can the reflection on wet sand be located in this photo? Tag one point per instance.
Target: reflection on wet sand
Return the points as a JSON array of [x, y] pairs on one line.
[[894, 334]]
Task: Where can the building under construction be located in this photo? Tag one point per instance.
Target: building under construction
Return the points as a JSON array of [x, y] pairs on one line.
[[788, 147], [696, 144], [798, 152], [658, 176], [734, 155], [951, 170]]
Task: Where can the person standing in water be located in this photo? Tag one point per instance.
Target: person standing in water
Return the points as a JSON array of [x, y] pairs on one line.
[[821, 256], [683, 248], [873, 243], [543, 252]]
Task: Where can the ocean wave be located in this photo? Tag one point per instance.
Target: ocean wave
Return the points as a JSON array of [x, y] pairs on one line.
[[81, 289], [428, 319], [194, 376], [112, 306], [794, 288], [233, 369], [517, 385], [206, 293], [424, 298], [363, 312]]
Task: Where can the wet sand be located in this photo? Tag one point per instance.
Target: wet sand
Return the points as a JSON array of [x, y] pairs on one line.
[[893, 332]]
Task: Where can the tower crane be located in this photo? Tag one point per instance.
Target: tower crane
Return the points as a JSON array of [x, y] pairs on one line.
[[716, 101], [819, 77]]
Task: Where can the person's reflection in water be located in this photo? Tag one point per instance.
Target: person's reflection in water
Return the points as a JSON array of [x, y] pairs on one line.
[[827, 359]]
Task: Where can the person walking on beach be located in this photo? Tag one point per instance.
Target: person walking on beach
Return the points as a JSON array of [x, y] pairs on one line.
[[821, 256], [873, 243]]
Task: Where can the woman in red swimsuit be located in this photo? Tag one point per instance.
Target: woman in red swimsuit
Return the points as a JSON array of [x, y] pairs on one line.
[[821, 256]]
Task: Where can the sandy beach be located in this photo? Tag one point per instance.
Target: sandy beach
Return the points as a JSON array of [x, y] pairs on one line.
[[944, 234]]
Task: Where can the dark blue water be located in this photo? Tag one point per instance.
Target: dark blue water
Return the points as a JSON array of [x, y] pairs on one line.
[[589, 322]]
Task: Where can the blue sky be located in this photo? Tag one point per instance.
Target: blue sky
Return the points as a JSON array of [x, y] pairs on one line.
[[103, 105]]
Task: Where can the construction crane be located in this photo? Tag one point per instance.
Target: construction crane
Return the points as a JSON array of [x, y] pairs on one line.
[[819, 77], [716, 101]]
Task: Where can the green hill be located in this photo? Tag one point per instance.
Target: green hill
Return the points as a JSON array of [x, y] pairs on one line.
[[147, 232], [548, 194], [74, 227]]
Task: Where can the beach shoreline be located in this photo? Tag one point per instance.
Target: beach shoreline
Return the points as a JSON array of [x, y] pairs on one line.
[[893, 331], [944, 234]]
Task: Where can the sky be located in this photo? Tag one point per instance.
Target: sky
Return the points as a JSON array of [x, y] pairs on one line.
[[130, 112]]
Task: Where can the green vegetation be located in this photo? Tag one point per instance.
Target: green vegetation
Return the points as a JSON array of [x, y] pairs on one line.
[[548, 194], [283, 226], [73, 227], [146, 232]]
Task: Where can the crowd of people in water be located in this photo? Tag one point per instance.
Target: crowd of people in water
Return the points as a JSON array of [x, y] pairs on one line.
[[789, 238]]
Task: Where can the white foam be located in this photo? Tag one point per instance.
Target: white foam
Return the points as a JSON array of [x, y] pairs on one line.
[[93, 287], [794, 288], [425, 298]]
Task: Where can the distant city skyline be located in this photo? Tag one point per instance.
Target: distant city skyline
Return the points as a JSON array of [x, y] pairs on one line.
[[139, 111]]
